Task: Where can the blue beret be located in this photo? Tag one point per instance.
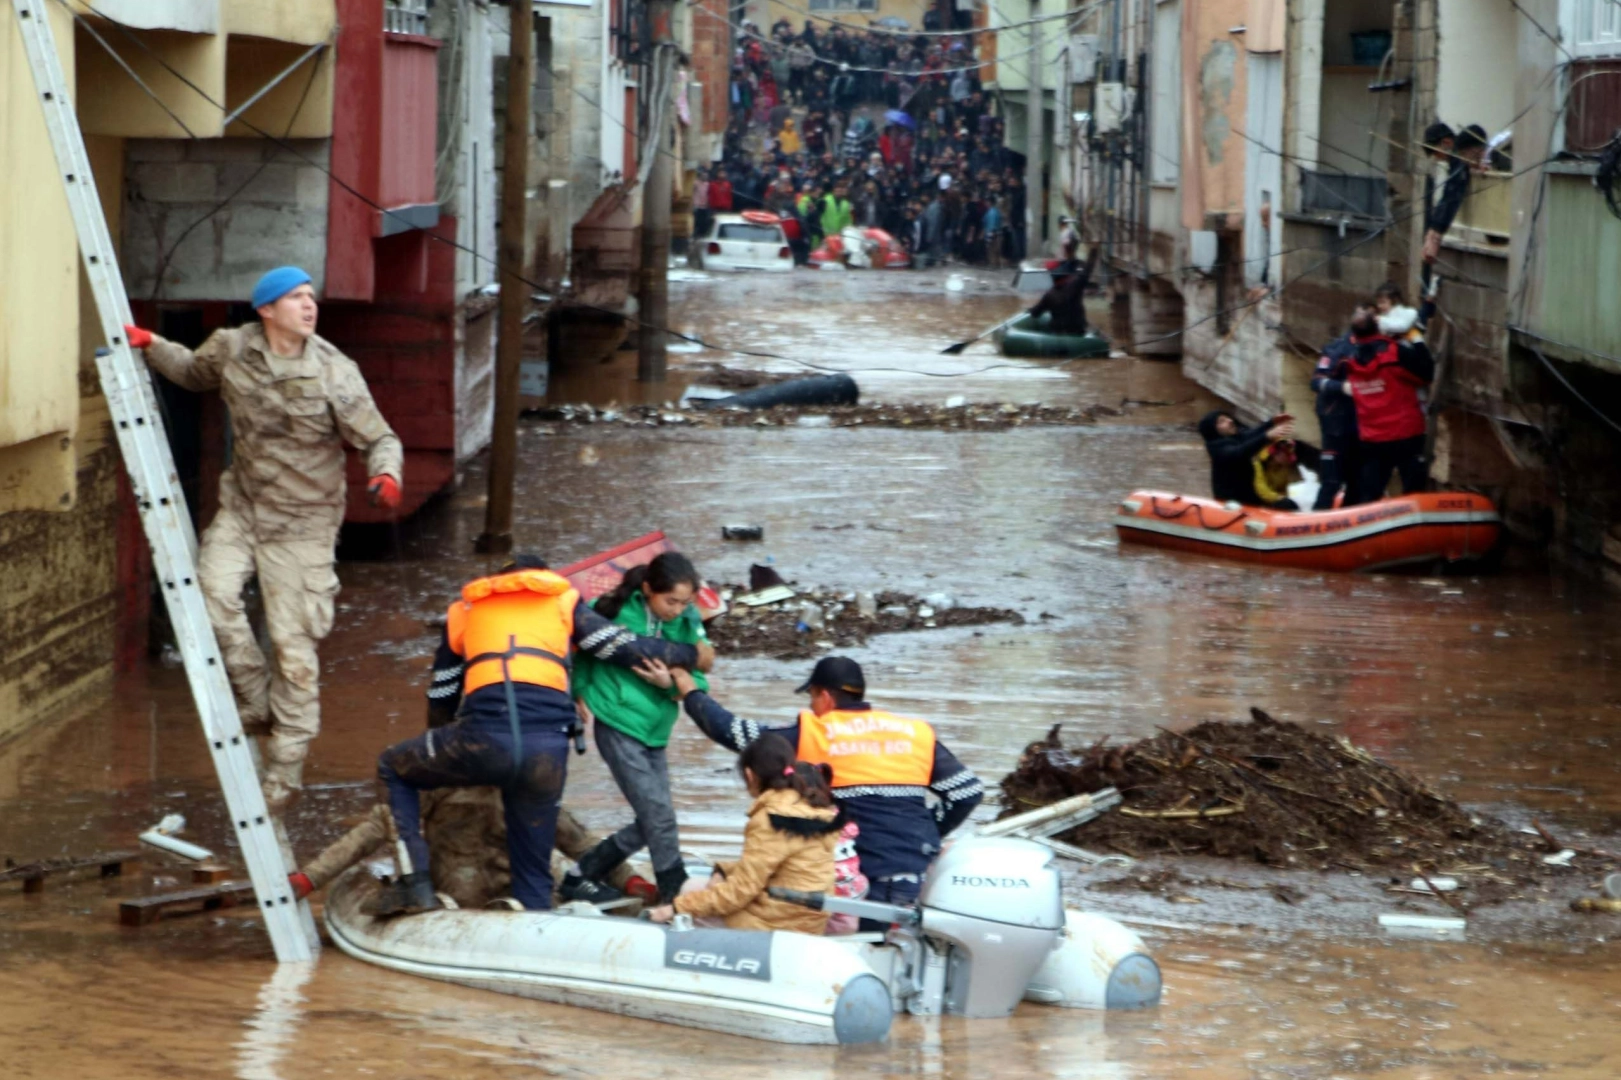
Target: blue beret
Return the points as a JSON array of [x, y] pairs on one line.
[[277, 284]]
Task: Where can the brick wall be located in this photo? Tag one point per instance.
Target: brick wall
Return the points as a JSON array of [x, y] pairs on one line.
[[711, 63]]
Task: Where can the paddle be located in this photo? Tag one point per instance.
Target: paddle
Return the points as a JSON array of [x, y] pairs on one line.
[[953, 350]]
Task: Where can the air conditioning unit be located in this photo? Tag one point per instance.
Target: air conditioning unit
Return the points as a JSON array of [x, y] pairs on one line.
[[1083, 58], [1109, 107]]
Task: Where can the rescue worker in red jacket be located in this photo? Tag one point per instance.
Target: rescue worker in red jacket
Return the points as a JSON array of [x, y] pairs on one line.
[[1384, 376], [884, 769], [505, 656]]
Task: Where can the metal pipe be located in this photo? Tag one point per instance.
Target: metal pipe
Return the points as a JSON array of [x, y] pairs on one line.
[[1035, 209], [231, 117]]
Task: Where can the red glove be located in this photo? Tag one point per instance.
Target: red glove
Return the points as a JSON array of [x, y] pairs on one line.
[[138, 338], [301, 883], [384, 491]]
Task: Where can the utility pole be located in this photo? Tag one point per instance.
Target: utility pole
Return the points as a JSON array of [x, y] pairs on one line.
[[653, 293], [1035, 125], [497, 535]]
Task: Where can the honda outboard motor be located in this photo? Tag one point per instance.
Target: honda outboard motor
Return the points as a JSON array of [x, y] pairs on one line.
[[990, 930], [997, 906]]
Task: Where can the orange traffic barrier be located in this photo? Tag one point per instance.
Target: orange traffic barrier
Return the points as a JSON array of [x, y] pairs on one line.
[[1441, 525]]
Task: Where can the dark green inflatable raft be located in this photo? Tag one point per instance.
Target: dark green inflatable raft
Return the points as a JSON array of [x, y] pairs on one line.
[[1028, 336]]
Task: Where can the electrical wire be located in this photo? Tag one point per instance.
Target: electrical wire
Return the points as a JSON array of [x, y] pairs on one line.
[[845, 66], [887, 31], [169, 252], [693, 339]]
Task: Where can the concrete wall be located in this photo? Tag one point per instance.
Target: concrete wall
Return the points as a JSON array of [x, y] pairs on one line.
[[1478, 44], [277, 215], [1213, 107]]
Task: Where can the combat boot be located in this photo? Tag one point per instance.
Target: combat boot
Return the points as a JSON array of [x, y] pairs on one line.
[[411, 894], [670, 882]]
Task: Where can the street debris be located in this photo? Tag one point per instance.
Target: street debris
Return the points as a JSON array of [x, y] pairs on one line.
[[1424, 927], [742, 532], [811, 390], [33, 874], [786, 631], [162, 835], [979, 416], [1277, 794]]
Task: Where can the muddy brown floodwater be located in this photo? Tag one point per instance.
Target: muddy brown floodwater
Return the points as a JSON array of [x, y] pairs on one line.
[[1499, 691]]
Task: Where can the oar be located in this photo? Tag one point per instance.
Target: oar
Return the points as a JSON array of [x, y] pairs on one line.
[[953, 350]]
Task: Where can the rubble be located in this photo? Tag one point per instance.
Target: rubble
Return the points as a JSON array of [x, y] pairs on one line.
[[1277, 794], [979, 416], [816, 621]]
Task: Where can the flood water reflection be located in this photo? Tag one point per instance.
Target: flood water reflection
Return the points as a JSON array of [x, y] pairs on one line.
[[1500, 690]]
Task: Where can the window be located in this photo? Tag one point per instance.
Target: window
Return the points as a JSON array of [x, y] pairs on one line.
[[1591, 28], [844, 5], [1165, 147], [749, 234]]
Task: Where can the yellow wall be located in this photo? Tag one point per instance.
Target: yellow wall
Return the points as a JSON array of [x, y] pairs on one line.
[[253, 62], [302, 21], [111, 104], [39, 345]]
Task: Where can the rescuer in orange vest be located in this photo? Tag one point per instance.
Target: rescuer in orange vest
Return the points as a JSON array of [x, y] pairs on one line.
[[505, 657], [891, 776]]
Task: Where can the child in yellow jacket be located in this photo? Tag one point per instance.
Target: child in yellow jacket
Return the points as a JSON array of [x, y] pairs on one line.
[[787, 844]]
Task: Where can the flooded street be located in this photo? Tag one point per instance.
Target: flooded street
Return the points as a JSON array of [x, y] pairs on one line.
[[1501, 691]]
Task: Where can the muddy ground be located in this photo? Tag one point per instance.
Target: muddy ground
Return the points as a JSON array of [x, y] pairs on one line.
[[1274, 794], [975, 416], [818, 621]]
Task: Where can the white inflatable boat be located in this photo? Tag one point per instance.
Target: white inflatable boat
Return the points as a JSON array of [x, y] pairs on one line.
[[989, 932]]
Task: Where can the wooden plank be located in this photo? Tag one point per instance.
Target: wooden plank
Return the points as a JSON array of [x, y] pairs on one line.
[[144, 910], [210, 874], [33, 875]]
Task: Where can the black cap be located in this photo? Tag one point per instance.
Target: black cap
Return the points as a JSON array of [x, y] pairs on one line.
[[836, 673]]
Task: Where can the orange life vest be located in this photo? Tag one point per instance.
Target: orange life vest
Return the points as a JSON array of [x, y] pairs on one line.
[[868, 748], [521, 622]]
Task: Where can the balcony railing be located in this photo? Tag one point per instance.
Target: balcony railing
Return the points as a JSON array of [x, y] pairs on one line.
[[405, 16], [1343, 195], [1487, 214]]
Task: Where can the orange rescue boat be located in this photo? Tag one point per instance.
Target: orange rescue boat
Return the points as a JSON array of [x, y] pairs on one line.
[[1449, 525]]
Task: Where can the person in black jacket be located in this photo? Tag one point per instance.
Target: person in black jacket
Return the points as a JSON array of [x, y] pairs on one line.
[[1336, 416], [1065, 302], [1232, 452]]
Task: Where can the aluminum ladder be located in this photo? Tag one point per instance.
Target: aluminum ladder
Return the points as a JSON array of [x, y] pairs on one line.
[[132, 402]]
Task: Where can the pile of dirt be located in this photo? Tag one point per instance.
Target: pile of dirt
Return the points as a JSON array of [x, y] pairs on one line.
[[776, 630], [1279, 795], [978, 416]]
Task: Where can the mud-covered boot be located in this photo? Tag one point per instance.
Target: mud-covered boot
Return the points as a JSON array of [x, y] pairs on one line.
[[411, 894], [670, 882], [585, 882]]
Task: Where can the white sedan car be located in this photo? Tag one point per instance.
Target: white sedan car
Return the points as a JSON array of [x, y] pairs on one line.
[[749, 241]]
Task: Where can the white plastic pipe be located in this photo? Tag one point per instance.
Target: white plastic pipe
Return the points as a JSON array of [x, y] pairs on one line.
[[178, 847]]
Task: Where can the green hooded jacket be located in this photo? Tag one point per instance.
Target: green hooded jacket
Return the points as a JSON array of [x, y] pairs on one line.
[[618, 696]]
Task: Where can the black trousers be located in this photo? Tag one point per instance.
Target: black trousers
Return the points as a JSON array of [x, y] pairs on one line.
[[1340, 466], [1402, 456]]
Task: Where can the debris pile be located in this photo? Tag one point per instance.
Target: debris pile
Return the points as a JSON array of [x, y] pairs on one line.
[[808, 623], [1279, 795], [977, 416]]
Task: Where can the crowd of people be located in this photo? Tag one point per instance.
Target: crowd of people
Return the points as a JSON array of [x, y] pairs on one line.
[[832, 126], [1369, 407]]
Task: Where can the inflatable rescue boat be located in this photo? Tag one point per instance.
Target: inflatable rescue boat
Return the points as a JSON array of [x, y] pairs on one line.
[[990, 931], [1033, 336], [1450, 526]]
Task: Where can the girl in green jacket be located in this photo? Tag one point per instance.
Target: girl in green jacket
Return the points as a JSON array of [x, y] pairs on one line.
[[633, 721]]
